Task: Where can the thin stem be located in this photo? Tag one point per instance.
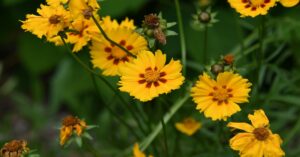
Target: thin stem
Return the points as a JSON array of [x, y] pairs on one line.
[[205, 44], [179, 103], [107, 83], [108, 39], [260, 53], [165, 136], [113, 112], [182, 36]]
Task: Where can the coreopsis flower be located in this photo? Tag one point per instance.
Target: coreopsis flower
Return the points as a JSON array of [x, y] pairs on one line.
[[14, 148], [83, 8], [137, 152], [70, 126], [148, 76], [108, 56], [257, 140], [252, 7], [50, 21], [219, 98], [83, 31], [188, 126], [289, 3]]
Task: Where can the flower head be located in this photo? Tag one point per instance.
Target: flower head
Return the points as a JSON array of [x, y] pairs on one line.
[[83, 31], [188, 126], [71, 124], [258, 140], [252, 7], [49, 22], [289, 3], [83, 8], [137, 152], [14, 148], [219, 98], [108, 56], [147, 76]]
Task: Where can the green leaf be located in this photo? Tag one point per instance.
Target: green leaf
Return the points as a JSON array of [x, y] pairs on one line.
[[171, 33], [171, 24], [38, 56], [78, 141], [289, 99]]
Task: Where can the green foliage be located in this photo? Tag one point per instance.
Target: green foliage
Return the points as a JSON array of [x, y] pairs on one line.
[[40, 83]]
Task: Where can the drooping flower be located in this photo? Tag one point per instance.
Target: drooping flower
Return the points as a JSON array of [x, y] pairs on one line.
[[188, 126], [83, 8], [219, 98], [258, 140], [252, 7], [108, 56], [137, 152], [71, 124], [49, 22], [289, 3], [83, 31], [14, 148], [147, 76]]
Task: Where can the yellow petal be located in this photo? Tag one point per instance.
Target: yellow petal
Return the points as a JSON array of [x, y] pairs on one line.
[[289, 3], [259, 119], [241, 126]]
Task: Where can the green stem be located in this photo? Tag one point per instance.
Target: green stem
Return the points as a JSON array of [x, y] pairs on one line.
[[179, 103], [107, 83], [114, 113], [164, 133], [108, 39], [260, 53], [205, 44], [182, 36]]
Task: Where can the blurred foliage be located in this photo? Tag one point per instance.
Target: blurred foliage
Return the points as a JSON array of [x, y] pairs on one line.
[[40, 83]]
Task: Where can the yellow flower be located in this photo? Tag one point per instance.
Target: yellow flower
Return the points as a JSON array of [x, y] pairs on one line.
[[137, 152], [107, 23], [109, 57], [56, 2], [14, 148], [49, 22], [83, 8], [252, 7], [218, 98], [258, 140], [83, 31], [147, 76], [289, 3], [70, 124], [188, 126]]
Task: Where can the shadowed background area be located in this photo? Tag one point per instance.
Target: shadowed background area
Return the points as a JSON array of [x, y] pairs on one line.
[[40, 83]]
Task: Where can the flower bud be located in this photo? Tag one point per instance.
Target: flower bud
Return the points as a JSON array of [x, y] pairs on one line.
[[204, 17], [151, 21], [217, 68], [228, 59], [160, 36]]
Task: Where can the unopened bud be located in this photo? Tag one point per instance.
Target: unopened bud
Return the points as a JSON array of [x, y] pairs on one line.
[[88, 12], [151, 20], [228, 59], [204, 17], [217, 68], [160, 36]]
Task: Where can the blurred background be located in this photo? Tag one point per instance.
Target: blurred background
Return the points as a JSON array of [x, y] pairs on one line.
[[40, 83]]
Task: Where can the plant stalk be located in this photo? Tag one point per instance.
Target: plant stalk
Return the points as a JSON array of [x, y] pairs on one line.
[[182, 36]]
